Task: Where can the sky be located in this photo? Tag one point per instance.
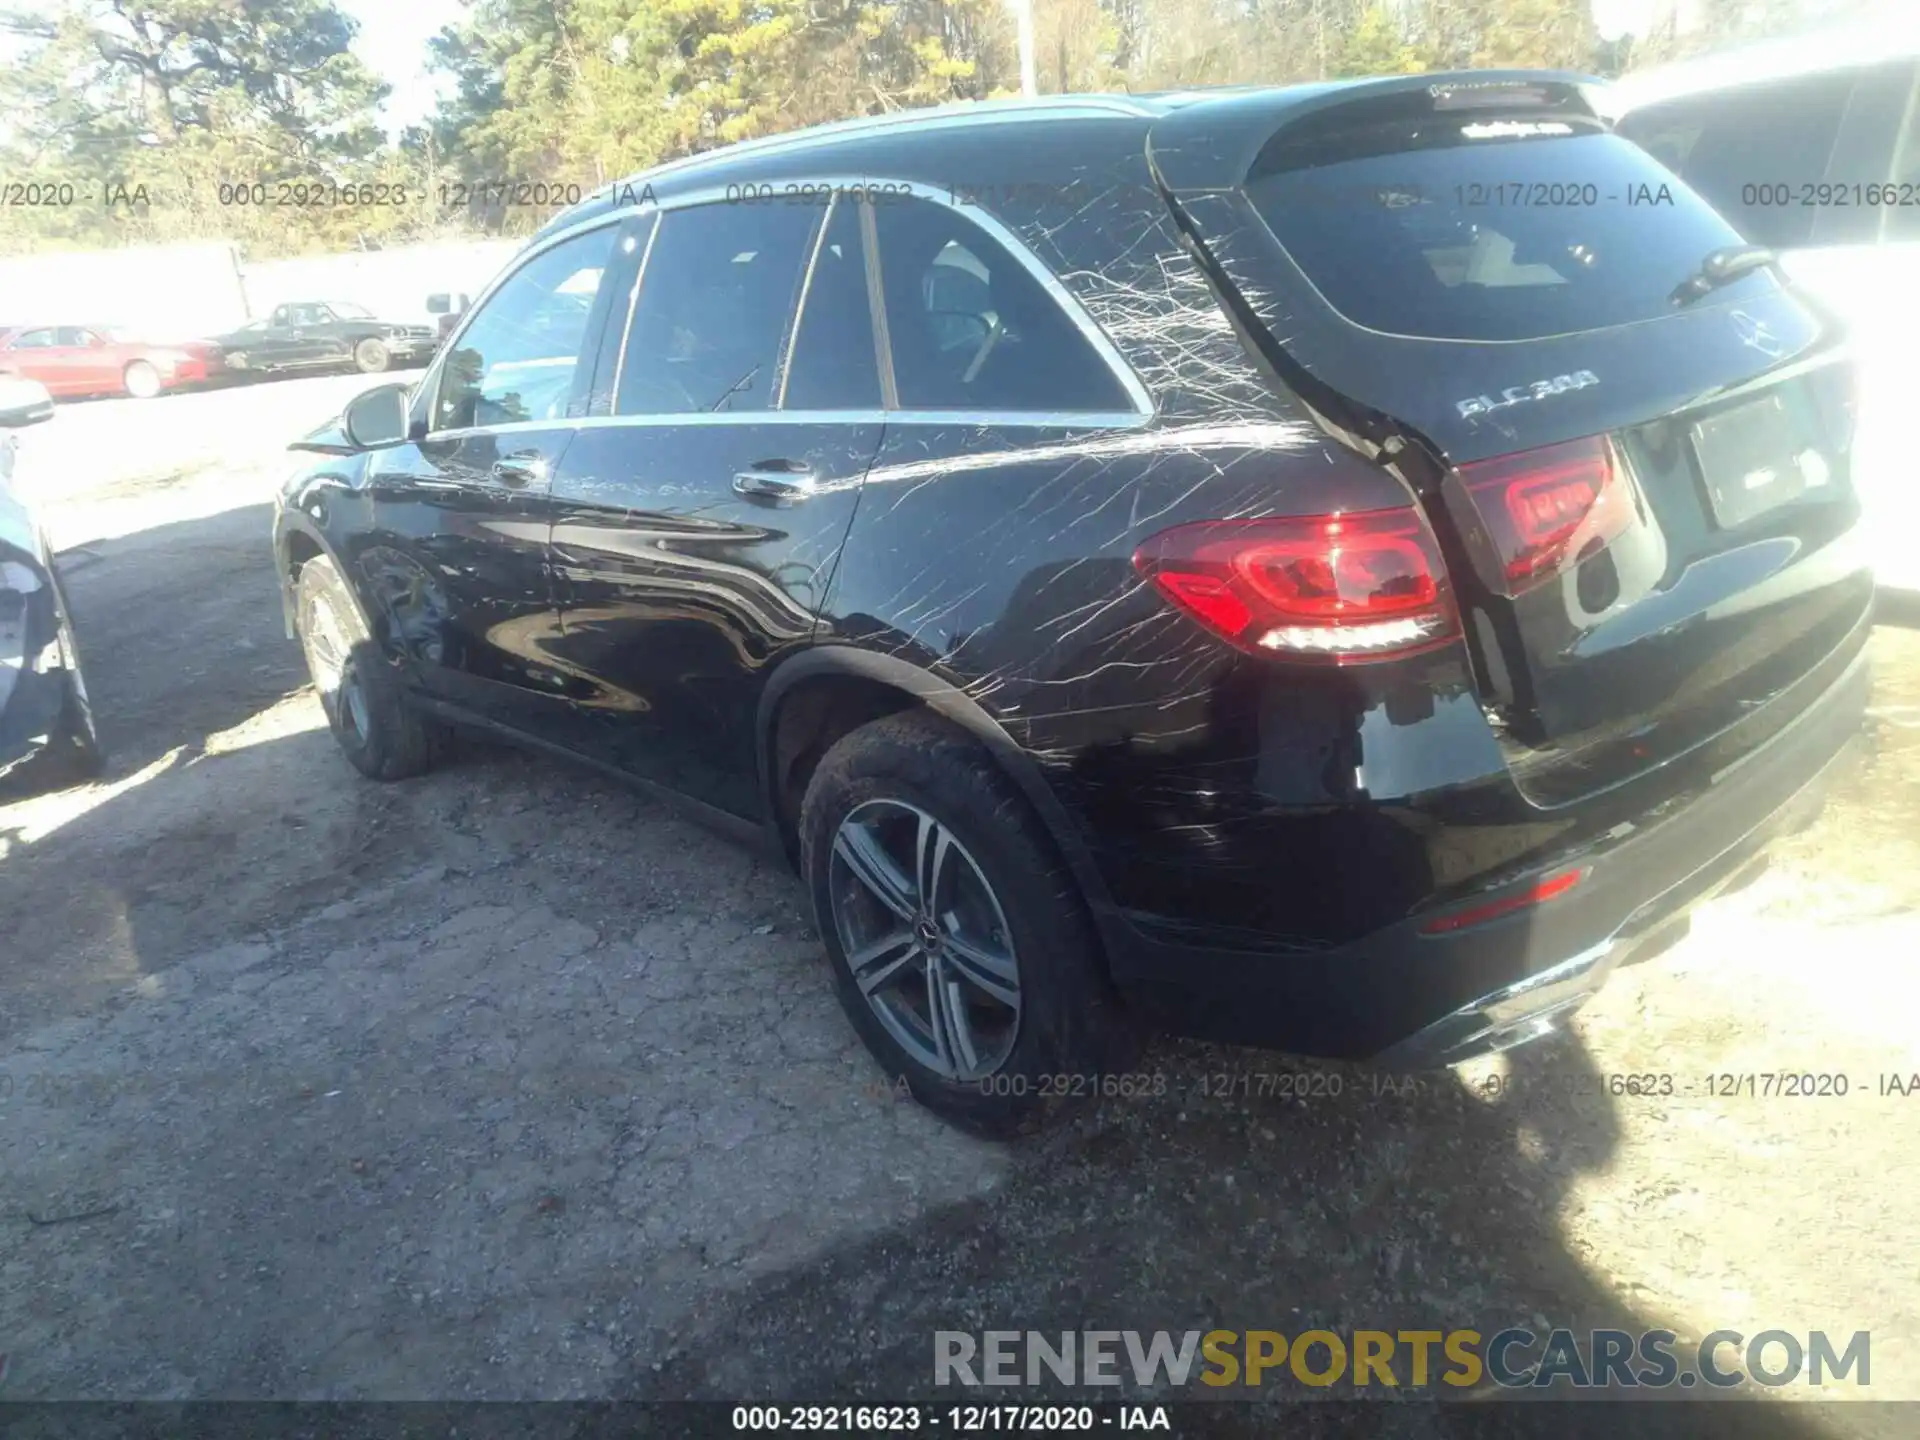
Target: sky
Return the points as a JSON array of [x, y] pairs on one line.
[[393, 43]]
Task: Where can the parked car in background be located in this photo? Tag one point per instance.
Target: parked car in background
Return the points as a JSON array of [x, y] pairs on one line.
[[319, 335], [80, 360], [46, 721], [1811, 146], [1185, 558]]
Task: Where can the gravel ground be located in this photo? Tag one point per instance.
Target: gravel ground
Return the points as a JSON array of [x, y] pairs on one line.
[[508, 1083]]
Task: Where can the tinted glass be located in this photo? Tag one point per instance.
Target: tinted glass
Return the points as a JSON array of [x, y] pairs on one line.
[[833, 366], [35, 340], [719, 287], [70, 335], [970, 327], [516, 359], [1472, 238], [1748, 151]]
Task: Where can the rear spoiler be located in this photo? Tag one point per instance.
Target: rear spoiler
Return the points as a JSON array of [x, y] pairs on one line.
[[1214, 145]]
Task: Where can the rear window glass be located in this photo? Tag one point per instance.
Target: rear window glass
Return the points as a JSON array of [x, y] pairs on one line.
[[1473, 233]]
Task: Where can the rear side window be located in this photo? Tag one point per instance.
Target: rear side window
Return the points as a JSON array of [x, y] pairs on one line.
[[1462, 229], [1748, 150], [718, 289], [970, 328]]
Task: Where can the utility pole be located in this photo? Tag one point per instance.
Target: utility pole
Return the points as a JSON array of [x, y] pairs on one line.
[[1023, 21]]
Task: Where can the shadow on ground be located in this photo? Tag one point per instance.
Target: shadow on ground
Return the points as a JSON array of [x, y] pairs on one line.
[[1210, 1204]]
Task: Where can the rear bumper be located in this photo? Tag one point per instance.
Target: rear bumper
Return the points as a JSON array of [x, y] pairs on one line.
[[1409, 999]]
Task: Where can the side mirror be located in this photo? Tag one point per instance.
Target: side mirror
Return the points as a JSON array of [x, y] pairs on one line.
[[23, 402], [439, 304], [377, 417]]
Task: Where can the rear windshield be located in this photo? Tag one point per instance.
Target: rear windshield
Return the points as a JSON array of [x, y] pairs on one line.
[[1471, 228]]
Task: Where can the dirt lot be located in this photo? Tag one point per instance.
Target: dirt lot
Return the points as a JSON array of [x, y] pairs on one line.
[[508, 1083]]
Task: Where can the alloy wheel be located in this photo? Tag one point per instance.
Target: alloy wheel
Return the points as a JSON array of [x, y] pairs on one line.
[[926, 939], [328, 657]]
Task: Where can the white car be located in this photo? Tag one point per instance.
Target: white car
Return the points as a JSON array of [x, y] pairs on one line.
[[46, 722], [1811, 146]]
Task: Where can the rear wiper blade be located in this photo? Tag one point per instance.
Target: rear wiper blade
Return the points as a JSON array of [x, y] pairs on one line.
[[1721, 267]]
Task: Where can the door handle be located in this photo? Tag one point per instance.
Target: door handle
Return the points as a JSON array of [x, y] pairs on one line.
[[515, 471], [777, 480]]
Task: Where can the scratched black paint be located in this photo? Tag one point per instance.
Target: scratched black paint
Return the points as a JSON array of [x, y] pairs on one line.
[[1257, 842]]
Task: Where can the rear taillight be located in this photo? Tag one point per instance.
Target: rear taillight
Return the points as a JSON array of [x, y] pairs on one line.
[[1333, 588], [1546, 509]]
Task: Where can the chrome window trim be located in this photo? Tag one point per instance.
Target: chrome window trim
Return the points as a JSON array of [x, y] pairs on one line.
[[626, 325], [877, 309], [836, 185], [783, 366], [1076, 312], [976, 419]]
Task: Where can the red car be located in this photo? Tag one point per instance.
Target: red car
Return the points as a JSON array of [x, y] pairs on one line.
[[72, 360]]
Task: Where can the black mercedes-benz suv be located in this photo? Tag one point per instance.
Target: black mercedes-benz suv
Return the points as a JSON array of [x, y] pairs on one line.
[[1339, 568]]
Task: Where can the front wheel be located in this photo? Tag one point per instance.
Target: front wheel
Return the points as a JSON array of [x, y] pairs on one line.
[[961, 949], [142, 380], [370, 357], [383, 736]]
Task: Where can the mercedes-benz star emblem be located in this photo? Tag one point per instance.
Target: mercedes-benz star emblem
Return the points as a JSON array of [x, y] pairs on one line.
[[1756, 334]]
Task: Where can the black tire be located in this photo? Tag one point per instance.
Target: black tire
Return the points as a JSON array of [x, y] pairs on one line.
[[73, 754], [1069, 1021], [370, 356], [379, 732]]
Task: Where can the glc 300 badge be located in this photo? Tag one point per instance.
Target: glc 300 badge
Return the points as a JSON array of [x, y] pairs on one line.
[[1521, 394]]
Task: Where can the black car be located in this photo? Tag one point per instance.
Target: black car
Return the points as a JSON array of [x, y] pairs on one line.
[[1339, 568], [333, 334]]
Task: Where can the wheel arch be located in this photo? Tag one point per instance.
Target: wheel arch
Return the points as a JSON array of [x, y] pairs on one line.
[[298, 541], [889, 684]]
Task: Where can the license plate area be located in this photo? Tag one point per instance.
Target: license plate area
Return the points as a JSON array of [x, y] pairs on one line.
[[1755, 458]]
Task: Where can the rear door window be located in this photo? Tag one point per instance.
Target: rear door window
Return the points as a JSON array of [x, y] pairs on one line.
[[971, 328], [1749, 151], [1480, 230]]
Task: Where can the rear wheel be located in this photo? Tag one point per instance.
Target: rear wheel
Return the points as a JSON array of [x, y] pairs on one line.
[[370, 357], [383, 736], [961, 950], [142, 380]]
